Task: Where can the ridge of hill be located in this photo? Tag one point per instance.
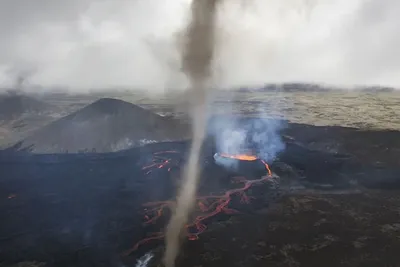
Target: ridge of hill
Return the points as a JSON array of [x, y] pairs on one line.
[[12, 106], [106, 125]]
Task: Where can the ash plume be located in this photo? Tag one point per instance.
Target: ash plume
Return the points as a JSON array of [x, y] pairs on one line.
[[197, 56]]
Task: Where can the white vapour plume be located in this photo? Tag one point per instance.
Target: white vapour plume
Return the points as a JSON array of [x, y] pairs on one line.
[[256, 136], [231, 139], [144, 260], [86, 44]]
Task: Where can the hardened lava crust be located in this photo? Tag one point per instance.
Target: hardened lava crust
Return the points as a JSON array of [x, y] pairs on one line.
[[330, 208]]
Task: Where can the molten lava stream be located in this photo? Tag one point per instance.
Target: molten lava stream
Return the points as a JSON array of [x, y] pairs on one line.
[[209, 206], [239, 157], [160, 162]]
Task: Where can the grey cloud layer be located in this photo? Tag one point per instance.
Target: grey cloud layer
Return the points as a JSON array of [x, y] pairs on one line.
[[99, 44]]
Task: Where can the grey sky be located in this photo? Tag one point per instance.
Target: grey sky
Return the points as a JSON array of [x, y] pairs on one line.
[[86, 44]]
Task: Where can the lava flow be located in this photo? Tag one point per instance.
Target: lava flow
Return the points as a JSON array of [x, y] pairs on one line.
[[245, 157], [207, 206], [239, 157], [161, 160]]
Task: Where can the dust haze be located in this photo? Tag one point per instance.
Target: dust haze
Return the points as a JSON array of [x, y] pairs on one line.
[[88, 44], [197, 59]]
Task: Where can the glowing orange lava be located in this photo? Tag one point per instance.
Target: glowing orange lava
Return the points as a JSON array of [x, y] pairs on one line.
[[239, 157], [159, 161], [207, 206]]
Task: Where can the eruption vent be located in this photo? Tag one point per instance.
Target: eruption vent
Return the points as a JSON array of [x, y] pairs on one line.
[[238, 157], [197, 57], [241, 163]]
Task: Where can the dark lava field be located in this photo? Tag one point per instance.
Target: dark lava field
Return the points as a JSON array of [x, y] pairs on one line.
[[331, 199]]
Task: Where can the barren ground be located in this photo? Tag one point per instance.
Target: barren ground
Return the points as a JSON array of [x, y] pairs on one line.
[[352, 109], [308, 228]]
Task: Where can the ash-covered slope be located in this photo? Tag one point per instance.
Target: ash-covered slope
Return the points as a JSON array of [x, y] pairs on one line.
[[14, 105], [104, 126]]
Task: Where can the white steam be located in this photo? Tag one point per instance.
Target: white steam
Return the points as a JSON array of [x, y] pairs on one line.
[[144, 260], [230, 139], [255, 136], [88, 44], [258, 134]]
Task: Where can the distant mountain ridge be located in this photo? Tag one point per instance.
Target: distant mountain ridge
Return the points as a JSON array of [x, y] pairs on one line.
[[309, 87], [14, 105]]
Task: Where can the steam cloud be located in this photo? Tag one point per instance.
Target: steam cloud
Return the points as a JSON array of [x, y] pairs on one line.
[[90, 44], [144, 260], [197, 56], [256, 136]]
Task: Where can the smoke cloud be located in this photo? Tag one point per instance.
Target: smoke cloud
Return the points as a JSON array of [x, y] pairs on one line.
[[91, 44]]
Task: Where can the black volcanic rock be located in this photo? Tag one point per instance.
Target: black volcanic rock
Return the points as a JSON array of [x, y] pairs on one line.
[[14, 105], [106, 125]]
